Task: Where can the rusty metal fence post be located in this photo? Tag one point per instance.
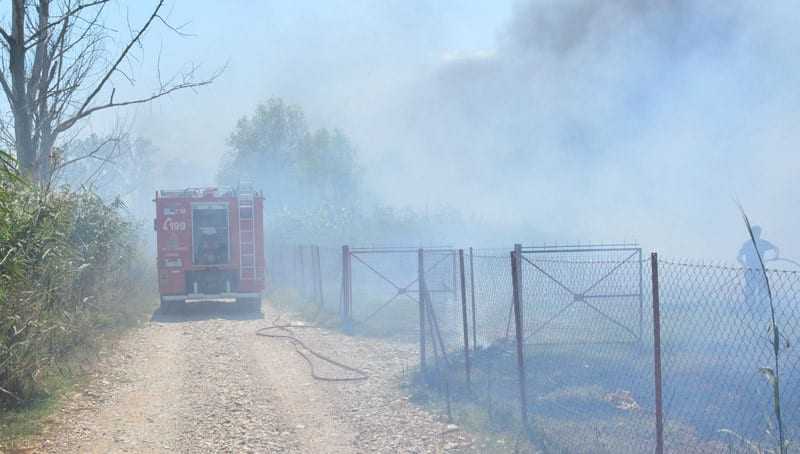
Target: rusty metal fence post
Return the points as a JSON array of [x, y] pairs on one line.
[[464, 317], [516, 282], [657, 355], [422, 292], [472, 298], [346, 307]]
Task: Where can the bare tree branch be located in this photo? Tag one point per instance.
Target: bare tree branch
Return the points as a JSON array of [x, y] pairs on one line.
[[91, 154], [177, 29], [5, 35], [58, 69], [65, 16], [100, 167], [69, 123], [119, 60]]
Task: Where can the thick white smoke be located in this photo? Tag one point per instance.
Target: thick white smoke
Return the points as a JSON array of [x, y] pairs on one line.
[[584, 120], [613, 120]]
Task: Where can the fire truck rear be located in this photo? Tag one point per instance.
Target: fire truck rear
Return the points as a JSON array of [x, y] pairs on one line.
[[210, 245]]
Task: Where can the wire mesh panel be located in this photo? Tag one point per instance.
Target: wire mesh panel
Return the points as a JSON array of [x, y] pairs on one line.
[[287, 267], [385, 289], [586, 339], [494, 374], [304, 276], [330, 279], [279, 266], [582, 294], [588, 370], [384, 293], [446, 323], [443, 284], [718, 356], [485, 372], [785, 287], [491, 280]]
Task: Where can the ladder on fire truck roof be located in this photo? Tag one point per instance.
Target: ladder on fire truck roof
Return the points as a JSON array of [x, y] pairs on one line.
[[247, 238]]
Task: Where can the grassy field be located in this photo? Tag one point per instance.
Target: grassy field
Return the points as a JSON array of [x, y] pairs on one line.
[[600, 398]]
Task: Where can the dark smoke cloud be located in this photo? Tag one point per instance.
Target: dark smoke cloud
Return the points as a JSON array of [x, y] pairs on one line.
[[571, 26]]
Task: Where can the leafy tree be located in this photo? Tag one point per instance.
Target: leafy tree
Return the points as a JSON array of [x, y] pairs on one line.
[[312, 184], [295, 166]]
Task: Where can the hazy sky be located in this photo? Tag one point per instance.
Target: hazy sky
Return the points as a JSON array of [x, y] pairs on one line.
[[588, 120], [325, 56]]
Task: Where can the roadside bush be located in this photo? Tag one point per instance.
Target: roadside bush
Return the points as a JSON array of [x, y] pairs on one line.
[[71, 268]]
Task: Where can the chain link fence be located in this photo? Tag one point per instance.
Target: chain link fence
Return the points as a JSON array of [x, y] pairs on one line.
[[306, 276], [588, 371], [560, 343], [381, 295], [492, 380], [717, 355]]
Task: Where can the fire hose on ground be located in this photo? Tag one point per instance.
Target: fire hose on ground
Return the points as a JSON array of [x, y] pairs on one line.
[[306, 352]]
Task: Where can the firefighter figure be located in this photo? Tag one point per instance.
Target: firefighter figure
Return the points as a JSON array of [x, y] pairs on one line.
[[755, 286]]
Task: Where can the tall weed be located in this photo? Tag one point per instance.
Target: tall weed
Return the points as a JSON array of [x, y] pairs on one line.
[[70, 267]]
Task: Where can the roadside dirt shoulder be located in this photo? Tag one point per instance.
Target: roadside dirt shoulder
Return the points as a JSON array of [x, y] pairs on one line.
[[211, 385]]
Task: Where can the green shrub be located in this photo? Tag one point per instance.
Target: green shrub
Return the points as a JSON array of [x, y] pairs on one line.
[[70, 266]]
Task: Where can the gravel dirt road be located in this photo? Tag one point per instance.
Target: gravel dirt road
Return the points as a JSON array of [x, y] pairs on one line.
[[207, 383]]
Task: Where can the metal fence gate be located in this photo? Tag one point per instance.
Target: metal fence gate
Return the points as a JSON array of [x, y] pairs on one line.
[[578, 318], [381, 287], [582, 294]]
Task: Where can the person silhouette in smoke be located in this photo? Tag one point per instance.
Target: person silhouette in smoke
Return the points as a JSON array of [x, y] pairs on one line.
[[755, 287]]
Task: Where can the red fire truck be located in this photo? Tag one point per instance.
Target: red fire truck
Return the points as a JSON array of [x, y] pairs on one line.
[[210, 245]]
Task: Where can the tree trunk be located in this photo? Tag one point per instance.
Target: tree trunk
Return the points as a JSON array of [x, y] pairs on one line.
[[47, 161], [58, 74], [21, 107]]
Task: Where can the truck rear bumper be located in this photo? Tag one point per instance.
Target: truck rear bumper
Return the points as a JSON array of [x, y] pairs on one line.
[[197, 297]]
